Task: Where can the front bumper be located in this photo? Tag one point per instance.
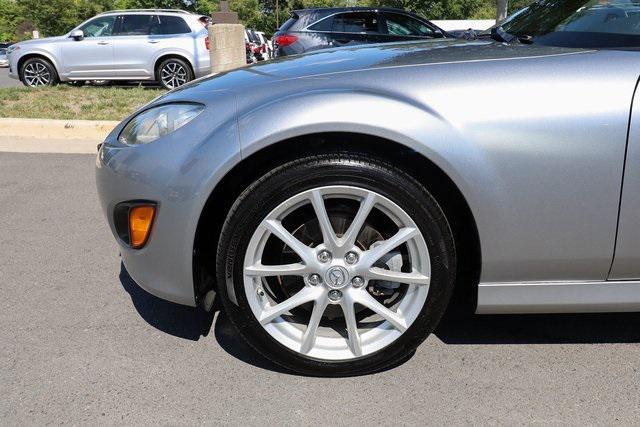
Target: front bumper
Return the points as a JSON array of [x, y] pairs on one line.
[[177, 172]]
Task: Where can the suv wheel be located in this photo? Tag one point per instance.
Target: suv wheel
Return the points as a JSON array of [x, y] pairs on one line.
[[38, 72], [174, 72], [336, 265]]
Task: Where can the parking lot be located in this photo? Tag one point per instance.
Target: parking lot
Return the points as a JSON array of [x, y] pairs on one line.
[[6, 81], [81, 343]]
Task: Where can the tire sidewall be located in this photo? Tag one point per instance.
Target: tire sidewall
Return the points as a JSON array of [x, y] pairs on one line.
[[291, 179], [183, 63], [50, 67]]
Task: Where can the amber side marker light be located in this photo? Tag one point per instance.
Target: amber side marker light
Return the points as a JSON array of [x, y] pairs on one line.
[[140, 220]]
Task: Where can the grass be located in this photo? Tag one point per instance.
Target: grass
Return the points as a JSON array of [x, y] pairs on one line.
[[68, 102]]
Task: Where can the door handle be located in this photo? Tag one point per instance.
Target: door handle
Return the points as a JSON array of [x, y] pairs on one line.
[[103, 43], [153, 41]]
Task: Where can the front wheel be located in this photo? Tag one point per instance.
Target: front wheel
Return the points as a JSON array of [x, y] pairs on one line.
[[336, 265], [38, 72], [174, 72]]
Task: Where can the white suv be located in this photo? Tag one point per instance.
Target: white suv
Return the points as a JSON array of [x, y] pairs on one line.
[[167, 46]]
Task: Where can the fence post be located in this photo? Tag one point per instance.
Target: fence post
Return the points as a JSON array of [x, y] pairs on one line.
[[226, 40]]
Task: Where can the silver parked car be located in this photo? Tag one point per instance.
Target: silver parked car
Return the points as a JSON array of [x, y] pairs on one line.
[[392, 175], [167, 46], [4, 61]]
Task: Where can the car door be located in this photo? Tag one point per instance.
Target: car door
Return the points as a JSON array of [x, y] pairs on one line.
[[170, 33], [134, 50], [626, 264], [401, 27], [353, 28], [91, 56]]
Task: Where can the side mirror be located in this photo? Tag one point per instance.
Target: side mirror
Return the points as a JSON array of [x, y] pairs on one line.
[[77, 35]]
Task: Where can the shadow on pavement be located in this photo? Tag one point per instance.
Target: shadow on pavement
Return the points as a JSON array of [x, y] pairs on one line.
[[232, 343], [542, 329], [192, 323], [178, 320]]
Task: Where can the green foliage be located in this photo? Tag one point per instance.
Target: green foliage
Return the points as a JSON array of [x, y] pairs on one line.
[[10, 18]]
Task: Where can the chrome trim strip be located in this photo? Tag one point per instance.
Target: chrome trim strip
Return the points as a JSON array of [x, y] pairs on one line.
[[558, 297]]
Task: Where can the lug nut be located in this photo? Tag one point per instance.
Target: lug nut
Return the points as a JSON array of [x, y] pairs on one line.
[[315, 279], [260, 292], [357, 282], [324, 256], [335, 295], [351, 257]]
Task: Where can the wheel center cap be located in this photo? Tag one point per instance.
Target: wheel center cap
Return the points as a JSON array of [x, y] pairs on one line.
[[336, 277]]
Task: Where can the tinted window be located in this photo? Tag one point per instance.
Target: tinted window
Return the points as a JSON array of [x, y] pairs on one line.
[[169, 25], [135, 25], [579, 23], [357, 22], [288, 23], [404, 25], [99, 27], [323, 25]]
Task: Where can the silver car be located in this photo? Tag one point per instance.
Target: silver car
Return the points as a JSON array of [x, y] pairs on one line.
[[167, 46], [339, 202], [4, 61]]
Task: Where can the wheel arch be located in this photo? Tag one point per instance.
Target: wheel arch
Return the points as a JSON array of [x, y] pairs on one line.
[[443, 188], [169, 55], [40, 55]]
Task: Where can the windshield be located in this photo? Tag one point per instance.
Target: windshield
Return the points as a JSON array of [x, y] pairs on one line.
[[579, 23]]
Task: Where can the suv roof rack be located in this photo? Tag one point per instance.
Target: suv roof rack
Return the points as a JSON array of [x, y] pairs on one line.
[[146, 10]]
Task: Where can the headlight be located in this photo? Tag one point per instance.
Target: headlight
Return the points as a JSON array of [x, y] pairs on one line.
[[157, 122]]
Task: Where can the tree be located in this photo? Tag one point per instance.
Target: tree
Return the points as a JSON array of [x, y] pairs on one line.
[[433, 9], [10, 18], [502, 10]]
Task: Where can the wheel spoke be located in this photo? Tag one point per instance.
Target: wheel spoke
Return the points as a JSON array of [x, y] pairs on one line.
[[328, 234], [402, 236], [270, 313], [350, 236], [309, 337], [276, 228], [365, 299], [414, 278], [353, 337], [261, 270]]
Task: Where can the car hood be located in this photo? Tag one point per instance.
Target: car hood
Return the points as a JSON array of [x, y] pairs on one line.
[[42, 40], [368, 57]]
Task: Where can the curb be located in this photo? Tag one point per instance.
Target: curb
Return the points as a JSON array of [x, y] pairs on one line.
[[56, 129]]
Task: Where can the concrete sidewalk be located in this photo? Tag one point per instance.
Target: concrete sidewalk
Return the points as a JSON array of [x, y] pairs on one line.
[[56, 129], [13, 144]]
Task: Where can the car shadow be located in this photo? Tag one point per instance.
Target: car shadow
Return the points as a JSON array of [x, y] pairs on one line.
[[174, 319], [192, 323], [541, 329]]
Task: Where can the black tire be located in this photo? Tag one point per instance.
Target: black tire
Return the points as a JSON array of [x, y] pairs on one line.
[[335, 169], [176, 62], [38, 63]]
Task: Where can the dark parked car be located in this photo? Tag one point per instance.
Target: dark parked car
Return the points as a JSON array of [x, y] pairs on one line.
[[312, 29]]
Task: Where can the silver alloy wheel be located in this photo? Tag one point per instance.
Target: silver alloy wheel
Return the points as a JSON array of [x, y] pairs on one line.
[[37, 74], [336, 281], [173, 74]]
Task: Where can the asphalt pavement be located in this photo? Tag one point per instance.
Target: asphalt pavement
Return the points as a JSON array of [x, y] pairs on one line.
[[6, 81], [82, 344]]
